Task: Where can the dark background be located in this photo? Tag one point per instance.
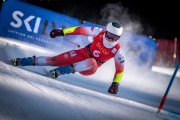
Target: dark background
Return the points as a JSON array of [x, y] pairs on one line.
[[161, 16]]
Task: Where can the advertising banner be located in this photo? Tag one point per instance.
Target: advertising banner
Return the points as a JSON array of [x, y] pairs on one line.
[[33, 24]]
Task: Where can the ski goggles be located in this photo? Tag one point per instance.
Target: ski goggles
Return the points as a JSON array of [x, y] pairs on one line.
[[111, 36]]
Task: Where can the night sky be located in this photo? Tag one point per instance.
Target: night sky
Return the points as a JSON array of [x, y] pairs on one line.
[[160, 16]]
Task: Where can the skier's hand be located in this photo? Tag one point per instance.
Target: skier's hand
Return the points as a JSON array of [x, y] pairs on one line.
[[56, 32], [113, 89]]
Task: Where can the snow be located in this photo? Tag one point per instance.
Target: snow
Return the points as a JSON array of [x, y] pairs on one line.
[[27, 95]]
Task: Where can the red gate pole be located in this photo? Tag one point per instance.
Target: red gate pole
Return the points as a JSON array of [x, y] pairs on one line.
[[168, 88]]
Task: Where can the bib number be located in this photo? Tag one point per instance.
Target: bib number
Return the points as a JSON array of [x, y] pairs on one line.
[[96, 53]]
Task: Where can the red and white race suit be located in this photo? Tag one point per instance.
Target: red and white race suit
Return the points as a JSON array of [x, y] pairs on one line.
[[86, 60]]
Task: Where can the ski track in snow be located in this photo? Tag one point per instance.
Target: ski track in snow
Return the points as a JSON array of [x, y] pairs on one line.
[[28, 95]]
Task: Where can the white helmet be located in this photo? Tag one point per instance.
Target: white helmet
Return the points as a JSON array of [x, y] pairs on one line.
[[113, 32], [114, 28]]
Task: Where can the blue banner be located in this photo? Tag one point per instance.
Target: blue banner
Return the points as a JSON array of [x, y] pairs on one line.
[[33, 24], [140, 49]]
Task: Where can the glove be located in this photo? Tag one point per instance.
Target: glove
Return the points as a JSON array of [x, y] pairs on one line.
[[113, 89], [56, 32]]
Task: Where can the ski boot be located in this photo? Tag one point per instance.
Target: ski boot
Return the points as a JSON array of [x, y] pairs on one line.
[[61, 71], [24, 61]]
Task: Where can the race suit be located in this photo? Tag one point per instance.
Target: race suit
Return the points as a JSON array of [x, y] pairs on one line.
[[86, 60]]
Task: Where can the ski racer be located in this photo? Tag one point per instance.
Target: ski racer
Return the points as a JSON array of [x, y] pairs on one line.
[[85, 60]]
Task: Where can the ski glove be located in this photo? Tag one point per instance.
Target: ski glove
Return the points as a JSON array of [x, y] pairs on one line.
[[56, 32], [113, 89]]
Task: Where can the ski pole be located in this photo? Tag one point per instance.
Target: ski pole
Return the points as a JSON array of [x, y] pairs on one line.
[[168, 88], [71, 42]]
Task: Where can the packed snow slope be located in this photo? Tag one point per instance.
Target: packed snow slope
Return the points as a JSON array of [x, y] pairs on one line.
[[25, 94]]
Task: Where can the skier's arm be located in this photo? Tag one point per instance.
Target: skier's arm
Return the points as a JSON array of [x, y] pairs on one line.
[[77, 30], [81, 30], [119, 65]]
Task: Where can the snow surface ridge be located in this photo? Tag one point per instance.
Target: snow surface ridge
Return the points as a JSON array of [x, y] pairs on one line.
[[66, 88], [84, 98]]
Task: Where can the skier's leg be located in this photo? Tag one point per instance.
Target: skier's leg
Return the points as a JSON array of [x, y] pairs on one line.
[[91, 66], [24, 61], [63, 59], [62, 70], [28, 61], [68, 58], [85, 67]]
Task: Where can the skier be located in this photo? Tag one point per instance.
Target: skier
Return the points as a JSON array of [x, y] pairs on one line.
[[85, 60]]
